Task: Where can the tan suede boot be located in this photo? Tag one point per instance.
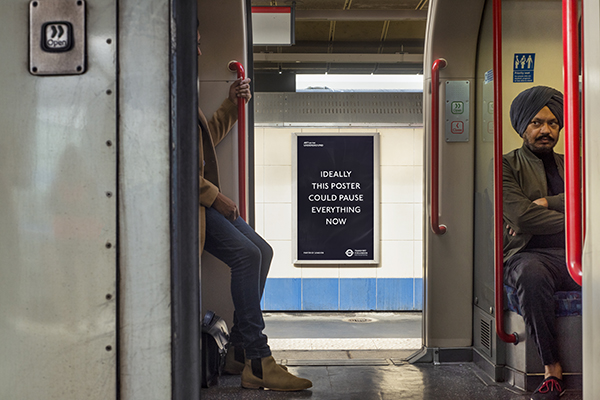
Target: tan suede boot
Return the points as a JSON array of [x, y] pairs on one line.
[[234, 361], [264, 373]]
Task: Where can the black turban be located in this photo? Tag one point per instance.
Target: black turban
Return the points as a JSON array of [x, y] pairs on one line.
[[529, 102]]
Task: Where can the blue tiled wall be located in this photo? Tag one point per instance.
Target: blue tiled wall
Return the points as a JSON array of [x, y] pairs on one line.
[[358, 294], [348, 294], [285, 293], [320, 294]]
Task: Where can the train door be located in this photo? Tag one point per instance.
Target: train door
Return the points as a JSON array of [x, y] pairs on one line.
[[58, 174], [99, 290], [158, 270]]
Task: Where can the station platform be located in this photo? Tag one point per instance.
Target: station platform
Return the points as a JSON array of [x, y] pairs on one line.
[[342, 331]]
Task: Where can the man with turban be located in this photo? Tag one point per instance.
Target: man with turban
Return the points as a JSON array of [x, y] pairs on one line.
[[534, 214]]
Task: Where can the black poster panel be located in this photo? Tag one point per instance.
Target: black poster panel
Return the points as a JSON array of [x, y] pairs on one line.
[[335, 178]]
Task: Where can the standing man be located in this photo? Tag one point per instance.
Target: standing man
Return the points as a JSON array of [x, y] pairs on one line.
[[230, 239], [534, 213]]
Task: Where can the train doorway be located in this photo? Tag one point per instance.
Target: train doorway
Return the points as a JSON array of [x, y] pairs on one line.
[[334, 288], [327, 296]]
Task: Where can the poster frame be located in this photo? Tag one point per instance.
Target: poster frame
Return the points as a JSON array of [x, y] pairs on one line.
[[370, 262]]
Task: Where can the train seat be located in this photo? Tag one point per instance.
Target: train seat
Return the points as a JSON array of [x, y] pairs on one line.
[[524, 368]]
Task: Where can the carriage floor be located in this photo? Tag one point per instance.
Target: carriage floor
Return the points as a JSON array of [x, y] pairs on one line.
[[375, 377], [313, 346]]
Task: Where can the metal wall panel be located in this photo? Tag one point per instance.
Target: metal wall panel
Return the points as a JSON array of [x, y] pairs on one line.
[[483, 239], [144, 200], [58, 207], [452, 32]]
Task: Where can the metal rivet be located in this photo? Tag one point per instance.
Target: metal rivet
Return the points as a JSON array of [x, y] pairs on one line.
[[491, 310], [109, 92], [109, 194], [79, 68], [35, 3], [109, 41], [79, 2], [109, 348], [109, 143], [34, 69], [108, 296], [108, 245]]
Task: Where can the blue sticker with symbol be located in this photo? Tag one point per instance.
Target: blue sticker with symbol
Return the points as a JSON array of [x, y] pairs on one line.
[[488, 77], [523, 66]]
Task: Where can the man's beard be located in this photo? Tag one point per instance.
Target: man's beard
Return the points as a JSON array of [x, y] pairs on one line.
[[546, 147]]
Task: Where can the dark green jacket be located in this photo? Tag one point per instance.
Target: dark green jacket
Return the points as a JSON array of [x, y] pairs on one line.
[[524, 180]]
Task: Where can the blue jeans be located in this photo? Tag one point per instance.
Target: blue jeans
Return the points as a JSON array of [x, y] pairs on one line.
[[249, 257]]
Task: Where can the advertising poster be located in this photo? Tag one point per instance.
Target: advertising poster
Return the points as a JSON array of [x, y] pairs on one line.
[[335, 177]]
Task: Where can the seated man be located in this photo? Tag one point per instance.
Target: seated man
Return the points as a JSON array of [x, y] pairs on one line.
[[534, 240], [230, 239]]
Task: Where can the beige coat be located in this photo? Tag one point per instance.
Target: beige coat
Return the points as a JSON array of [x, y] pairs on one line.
[[211, 134]]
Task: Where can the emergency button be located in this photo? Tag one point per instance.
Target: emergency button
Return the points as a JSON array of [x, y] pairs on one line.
[[57, 37]]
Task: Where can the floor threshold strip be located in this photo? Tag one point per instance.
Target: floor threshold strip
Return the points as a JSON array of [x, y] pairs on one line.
[[345, 344]]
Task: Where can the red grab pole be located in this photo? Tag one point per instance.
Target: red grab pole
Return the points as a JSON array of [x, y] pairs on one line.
[[498, 206], [241, 73], [435, 146], [573, 197]]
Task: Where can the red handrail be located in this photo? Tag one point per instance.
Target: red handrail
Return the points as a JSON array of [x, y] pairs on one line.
[[498, 206], [573, 205], [241, 74], [582, 105], [435, 146]]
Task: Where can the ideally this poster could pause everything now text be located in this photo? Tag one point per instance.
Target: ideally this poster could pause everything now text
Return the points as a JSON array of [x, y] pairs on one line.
[[335, 177]]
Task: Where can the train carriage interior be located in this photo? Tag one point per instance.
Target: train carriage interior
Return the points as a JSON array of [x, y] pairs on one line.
[[383, 204]]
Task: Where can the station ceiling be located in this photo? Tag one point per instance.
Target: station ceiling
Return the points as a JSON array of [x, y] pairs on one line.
[[349, 36]]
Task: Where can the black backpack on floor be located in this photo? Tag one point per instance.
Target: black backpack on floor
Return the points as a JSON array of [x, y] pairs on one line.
[[215, 342]]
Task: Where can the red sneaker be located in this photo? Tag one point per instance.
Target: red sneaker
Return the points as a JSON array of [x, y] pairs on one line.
[[550, 389]]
